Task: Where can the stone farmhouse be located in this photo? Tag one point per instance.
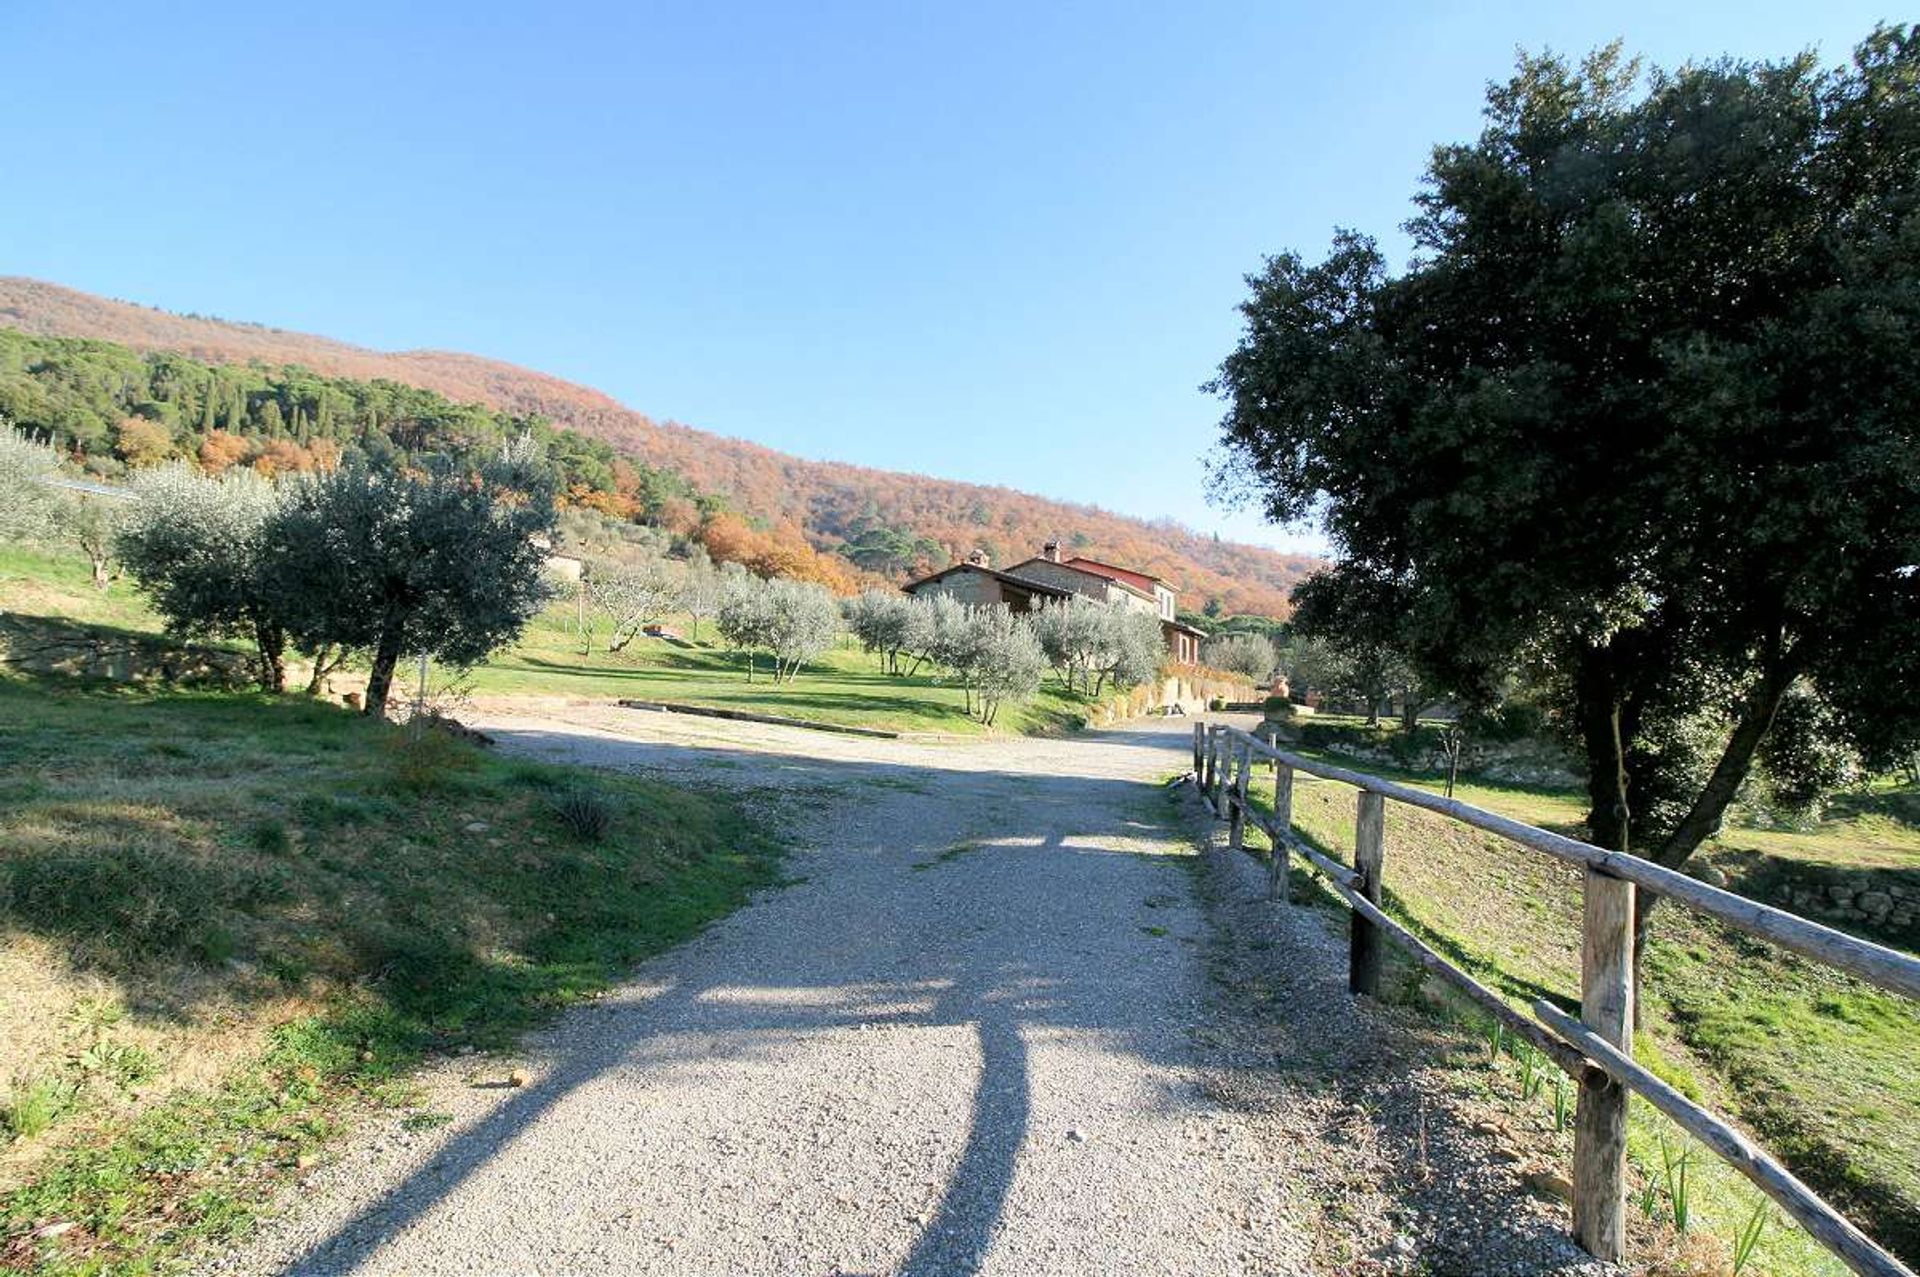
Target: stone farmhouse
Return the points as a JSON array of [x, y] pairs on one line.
[[1047, 577]]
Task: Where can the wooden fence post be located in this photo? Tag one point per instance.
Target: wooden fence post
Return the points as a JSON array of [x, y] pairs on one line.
[[1237, 801], [1199, 747], [1222, 761], [1600, 1129], [1369, 856], [1279, 881], [1206, 775]]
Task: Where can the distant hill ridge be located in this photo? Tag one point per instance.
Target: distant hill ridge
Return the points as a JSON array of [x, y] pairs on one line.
[[833, 503]]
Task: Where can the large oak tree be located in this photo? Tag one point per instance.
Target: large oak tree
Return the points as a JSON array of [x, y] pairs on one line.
[[1642, 412]]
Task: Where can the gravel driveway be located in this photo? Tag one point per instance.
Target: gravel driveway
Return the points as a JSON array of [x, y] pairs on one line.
[[976, 1033]]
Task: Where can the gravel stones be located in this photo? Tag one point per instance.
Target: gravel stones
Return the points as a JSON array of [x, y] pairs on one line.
[[910, 1060]]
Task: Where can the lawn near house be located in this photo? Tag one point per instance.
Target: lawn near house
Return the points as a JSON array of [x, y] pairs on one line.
[[1816, 1064], [845, 686], [229, 922]]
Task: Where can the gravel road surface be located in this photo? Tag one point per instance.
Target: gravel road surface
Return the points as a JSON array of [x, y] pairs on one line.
[[976, 1033]]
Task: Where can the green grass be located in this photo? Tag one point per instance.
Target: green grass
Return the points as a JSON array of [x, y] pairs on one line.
[[38, 581], [1817, 1064], [844, 687], [228, 862]]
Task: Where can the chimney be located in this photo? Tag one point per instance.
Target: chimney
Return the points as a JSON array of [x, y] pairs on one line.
[[979, 559], [1050, 551]]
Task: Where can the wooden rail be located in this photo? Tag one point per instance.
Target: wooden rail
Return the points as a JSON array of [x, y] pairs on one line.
[[1596, 1049]]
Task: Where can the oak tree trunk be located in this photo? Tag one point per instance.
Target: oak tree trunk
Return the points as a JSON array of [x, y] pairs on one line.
[[1597, 692]]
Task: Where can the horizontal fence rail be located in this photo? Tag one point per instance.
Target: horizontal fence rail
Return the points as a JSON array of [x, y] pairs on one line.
[[1595, 1048]]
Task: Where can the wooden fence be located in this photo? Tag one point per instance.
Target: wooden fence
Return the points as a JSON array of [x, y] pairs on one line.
[[1596, 1049]]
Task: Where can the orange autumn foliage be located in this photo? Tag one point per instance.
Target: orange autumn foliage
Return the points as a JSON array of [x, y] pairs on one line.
[[780, 551], [612, 504], [141, 442], [281, 456], [221, 451]]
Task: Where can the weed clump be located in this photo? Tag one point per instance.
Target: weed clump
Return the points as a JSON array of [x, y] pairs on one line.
[[586, 813], [421, 759]]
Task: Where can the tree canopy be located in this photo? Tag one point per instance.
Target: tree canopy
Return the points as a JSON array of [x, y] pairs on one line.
[[1642, 414]]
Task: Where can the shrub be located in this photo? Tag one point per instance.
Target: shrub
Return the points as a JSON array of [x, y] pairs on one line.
[[269, 837]]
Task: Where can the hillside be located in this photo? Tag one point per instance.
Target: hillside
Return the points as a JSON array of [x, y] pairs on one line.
[[884, 520]]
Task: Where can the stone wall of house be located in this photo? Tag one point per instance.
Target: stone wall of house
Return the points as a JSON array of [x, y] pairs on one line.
[[1063, 577], [975, 588]]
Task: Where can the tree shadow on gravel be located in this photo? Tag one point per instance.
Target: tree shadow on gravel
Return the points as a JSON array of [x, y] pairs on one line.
[[898, 944], [897, 940]]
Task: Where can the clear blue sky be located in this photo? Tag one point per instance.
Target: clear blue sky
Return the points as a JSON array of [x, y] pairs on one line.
[[998, 242]]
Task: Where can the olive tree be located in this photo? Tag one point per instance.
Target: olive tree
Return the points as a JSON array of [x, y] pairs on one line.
[[28, 506], [793, 621], [197, 545], [745, 616], [443, 564], [1007, 662], [1074, 633], [701, 588], [1252, 656], [93, 522], [631, 596], [1135, 650], [883, 622]]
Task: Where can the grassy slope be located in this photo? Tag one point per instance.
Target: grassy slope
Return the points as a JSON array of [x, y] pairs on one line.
[[1818, 1064], [292, 893], [844, 686]]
